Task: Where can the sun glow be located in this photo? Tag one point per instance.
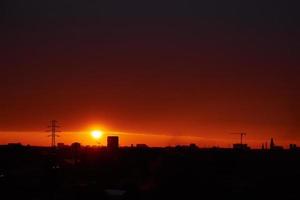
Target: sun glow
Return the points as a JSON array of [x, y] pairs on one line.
[[97, 134]]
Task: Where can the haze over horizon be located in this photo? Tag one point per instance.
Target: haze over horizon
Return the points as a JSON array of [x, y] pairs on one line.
[[194, 68]]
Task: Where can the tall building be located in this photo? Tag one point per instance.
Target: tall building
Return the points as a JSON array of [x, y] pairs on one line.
[[112, 142]]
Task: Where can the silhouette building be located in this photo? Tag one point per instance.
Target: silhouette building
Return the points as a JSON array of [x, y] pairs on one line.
[[112, 142], [76, 146], [141, 146], [193, 146], [273, 146], [61, 145], [240, 146], [294, 147]]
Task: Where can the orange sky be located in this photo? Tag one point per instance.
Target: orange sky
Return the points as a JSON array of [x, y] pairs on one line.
[[126, 139], [202, 69]]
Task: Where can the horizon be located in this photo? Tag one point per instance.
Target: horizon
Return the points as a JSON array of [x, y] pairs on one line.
[[127, 139]]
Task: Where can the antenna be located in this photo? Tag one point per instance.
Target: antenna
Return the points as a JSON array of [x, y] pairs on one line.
[[53, 129]]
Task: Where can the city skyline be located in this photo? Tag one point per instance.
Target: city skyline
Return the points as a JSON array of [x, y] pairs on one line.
[[86, 138]]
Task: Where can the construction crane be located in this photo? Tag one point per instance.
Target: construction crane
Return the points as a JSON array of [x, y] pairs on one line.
[[242, 135]]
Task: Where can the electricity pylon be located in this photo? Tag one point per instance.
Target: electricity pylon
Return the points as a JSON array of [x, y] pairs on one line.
[[53, 129]]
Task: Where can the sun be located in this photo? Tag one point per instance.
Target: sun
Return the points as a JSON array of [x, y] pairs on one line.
[[96, 134]]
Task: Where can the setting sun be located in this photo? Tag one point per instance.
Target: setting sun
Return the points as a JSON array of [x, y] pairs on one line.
[[97, 134]]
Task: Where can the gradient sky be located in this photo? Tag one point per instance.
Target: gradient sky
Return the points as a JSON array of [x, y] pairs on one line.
[[190, 67]]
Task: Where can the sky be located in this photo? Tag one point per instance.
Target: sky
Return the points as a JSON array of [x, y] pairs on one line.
[[179, 68]]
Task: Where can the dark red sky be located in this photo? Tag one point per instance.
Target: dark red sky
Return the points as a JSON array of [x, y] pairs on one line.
[[174, 67]]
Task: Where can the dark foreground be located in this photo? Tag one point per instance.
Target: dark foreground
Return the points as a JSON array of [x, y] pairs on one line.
[[130, 173]]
